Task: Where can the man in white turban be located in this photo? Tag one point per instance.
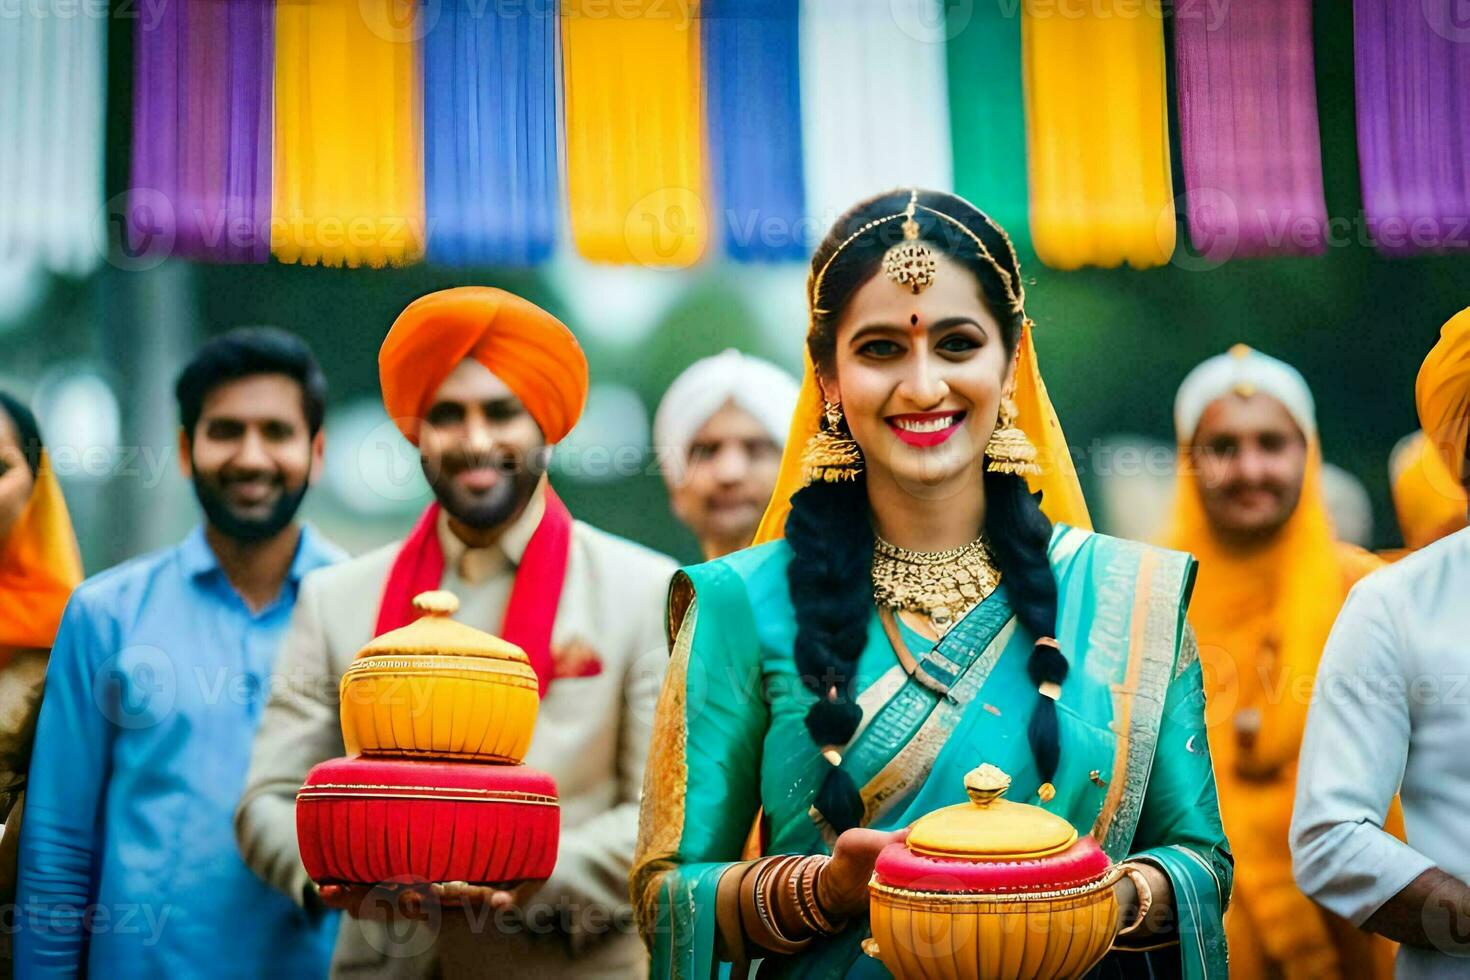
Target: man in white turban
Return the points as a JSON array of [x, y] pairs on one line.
[[1273, 574], [719, 432]]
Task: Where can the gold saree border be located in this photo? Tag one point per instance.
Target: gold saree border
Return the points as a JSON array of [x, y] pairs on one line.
[[1154, 637], [665, 780]]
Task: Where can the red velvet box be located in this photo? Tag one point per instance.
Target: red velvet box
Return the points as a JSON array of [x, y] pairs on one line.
[[365, 821]]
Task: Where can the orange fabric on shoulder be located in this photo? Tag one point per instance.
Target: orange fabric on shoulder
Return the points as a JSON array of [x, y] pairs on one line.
[[39, 567], [529, 349]]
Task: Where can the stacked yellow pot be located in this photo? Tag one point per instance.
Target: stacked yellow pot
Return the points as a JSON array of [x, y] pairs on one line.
[[437, 688], [436, 717]]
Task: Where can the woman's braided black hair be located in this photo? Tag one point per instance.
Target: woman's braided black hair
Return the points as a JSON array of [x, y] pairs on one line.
[[829, 530]]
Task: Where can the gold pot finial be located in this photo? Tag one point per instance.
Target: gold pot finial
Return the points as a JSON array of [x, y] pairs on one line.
[[437, 602], [986, 784]]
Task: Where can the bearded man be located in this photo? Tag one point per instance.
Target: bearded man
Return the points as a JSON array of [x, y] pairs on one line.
[[484, 383], [156, 683]]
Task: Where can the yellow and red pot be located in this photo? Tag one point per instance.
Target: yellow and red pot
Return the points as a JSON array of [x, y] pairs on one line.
[[992, 889], [437, 688], [366, 821]]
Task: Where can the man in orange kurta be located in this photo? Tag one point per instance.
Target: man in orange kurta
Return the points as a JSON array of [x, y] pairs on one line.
[[1272, 577]]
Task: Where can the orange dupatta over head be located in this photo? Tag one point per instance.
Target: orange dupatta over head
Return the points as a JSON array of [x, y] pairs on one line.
[[39, 567]]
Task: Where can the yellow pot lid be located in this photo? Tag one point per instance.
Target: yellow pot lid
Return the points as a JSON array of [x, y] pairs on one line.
[[989, 828], [435, 633]]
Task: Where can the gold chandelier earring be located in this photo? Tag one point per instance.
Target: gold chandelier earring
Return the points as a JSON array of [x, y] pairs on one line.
[[831, 454], [1009, 451]]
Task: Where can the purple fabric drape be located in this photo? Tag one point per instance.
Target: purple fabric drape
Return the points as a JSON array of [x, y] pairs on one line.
[[1413, 101], [1248, 129], [201, 163]]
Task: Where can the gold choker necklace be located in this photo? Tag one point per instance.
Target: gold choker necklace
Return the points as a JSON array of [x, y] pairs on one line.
[[942, 585]]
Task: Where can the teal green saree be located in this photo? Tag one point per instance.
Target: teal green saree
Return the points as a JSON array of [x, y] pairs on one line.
[[730, 742]]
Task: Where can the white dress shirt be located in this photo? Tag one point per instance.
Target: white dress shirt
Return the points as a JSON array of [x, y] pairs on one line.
[[1391, 713]]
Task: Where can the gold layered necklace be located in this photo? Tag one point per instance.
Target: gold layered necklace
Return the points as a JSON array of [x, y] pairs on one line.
[[941, 585]]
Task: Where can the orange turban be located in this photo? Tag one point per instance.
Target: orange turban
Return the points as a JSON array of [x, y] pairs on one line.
[[529, 349], [1442, 392], [1429, 501]]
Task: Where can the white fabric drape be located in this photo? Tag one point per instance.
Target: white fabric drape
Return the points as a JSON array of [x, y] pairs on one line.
[[874, 102], [52, 96]]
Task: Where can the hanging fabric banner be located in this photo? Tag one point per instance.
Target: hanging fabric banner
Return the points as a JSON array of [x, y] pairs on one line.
[[1412, 66], [987, 113], [634, 131], [753, 84], [53, 67], [348, 177], [874, 102], [201, 166], [1248, 129], [491, 171], [1097, 133]]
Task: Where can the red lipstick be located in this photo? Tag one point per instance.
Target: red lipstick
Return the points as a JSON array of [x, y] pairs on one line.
[[925, 428]]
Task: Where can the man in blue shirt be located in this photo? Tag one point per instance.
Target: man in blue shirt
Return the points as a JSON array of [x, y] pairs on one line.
[[128, 864]]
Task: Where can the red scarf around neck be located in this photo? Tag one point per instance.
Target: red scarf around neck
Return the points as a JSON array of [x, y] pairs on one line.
[[419, 567]]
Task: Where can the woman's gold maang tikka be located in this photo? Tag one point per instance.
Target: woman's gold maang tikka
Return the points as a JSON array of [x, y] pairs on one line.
[[911, 264]]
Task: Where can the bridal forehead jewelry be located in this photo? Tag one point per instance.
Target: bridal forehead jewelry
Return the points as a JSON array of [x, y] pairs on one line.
[[911, 264]]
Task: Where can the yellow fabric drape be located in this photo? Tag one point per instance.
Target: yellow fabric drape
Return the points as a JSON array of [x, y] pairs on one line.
[[1097, 133], [1429, 501], [1261, 621], [39, 567], [1061, 499], [636, 183], [347, 187]]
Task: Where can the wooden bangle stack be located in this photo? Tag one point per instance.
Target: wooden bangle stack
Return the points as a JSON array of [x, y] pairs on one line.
[[779, 908]]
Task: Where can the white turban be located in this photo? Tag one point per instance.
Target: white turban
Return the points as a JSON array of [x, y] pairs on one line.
[[1242, 371], [759, 387]]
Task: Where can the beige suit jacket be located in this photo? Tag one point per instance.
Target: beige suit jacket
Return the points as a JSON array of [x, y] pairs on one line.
[[591, 735]]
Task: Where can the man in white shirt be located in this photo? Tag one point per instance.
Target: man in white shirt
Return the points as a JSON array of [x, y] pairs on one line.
[[1391, 714]]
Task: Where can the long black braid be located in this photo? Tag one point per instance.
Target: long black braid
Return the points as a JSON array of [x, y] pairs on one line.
[[829, 530]]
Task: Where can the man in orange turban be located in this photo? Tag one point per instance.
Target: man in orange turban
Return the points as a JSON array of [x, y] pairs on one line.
[[485, 383], [1390, 718], [528, 349]]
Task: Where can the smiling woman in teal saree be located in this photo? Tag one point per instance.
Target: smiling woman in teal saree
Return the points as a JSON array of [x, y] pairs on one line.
[[920, 617]]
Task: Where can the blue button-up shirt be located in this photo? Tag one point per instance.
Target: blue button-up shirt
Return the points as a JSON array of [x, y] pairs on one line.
[[128, 863]]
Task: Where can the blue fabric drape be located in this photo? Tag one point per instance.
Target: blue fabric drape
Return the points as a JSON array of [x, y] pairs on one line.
[[491, 127], [754, 109]]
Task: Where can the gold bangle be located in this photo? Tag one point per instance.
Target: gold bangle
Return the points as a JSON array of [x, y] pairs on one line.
[[1145, 898]]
